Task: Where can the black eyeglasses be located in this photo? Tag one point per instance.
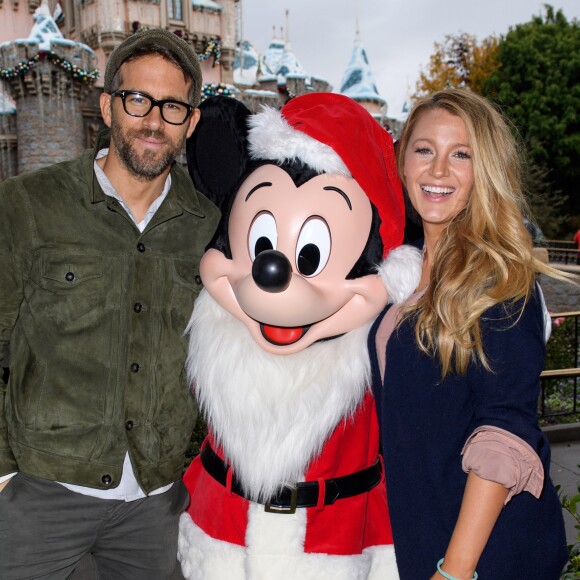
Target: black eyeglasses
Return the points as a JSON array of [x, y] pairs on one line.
[[138, 104]]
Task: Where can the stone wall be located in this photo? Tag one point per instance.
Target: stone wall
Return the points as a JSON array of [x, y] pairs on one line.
[[49, 127], [48, 94], [8, 149]]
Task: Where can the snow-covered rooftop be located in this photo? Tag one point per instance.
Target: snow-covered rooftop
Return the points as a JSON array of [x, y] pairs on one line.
[[45, 32], [358, 81], [279, 61], [246, 64], [207, 4], [289, 65]]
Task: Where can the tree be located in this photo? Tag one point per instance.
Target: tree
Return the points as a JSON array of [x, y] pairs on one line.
[[459, 62], [547, 206], [537, 85]]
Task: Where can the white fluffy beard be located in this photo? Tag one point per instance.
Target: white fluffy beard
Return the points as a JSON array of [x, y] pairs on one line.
[[271, 414]]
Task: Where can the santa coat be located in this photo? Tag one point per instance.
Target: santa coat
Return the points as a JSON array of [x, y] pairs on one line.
[[223, 535], [301, 545]]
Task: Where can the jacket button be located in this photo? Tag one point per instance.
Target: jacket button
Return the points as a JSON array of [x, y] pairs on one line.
[[198, 280], [107, 479], [129, 425], [69, 276], [134, 368], [137, 307], [141, 247]]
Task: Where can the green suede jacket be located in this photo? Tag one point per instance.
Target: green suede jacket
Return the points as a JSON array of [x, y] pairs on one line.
[[95, 312]]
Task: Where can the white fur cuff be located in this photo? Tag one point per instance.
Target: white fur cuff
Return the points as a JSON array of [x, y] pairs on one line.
[[400, 272]]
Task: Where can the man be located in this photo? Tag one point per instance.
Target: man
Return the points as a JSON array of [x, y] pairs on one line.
[[98, 273]]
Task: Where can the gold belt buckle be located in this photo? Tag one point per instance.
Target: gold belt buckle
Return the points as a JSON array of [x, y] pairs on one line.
[[284, 510]]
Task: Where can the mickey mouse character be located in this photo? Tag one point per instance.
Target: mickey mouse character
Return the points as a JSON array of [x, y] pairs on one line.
[[289, 482]]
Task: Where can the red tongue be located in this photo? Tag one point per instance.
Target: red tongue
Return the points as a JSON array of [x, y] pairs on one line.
[[279, 335]]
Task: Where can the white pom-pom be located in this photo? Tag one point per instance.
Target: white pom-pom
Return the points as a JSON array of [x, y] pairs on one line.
[[401, 272]]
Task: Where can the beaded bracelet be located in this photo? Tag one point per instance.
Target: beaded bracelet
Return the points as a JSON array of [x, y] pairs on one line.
[[448, 576]]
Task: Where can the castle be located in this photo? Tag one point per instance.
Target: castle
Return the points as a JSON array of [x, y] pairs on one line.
[[52, 57]]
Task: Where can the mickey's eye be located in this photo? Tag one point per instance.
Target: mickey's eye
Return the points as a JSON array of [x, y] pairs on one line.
[[263, 234], [313, 248]]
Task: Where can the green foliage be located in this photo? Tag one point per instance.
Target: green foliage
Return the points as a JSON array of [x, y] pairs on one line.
[[460, 61], [547, 206], [558, 393], [537, 84], [560, 352], [197, 438], [570, 505]]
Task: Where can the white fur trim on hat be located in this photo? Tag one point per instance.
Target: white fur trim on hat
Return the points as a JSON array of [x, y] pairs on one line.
[[271, 137], [400, 272]]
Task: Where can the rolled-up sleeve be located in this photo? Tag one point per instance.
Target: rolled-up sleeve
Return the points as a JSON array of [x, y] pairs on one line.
[[497, 455], [504, 442]]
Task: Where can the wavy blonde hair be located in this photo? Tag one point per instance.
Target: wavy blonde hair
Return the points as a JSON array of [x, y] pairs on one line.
[[485, 254]]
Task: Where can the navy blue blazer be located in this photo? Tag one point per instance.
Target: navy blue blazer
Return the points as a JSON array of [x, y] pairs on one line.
[[426, 421]]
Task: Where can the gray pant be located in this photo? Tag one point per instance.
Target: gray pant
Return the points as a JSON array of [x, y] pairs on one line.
[[45, 529]]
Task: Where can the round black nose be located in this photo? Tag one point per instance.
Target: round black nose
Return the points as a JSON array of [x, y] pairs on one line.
[[272, 271]]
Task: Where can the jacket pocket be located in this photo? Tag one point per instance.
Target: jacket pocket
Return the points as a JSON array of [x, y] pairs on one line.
[[69, 286]]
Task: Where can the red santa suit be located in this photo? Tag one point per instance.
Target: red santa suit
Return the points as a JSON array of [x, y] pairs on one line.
[[222, 534], [278, 345]]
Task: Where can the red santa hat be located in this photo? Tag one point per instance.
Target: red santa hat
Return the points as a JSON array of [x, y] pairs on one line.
[[332, 133]]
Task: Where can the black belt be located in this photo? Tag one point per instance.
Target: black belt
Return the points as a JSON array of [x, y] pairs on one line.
[[305, 494]]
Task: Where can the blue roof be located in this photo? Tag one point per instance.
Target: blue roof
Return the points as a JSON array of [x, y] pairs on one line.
[[246, 64], [280, 61], [358, 81]]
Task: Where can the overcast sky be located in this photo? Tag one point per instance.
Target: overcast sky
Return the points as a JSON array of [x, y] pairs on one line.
[[398, 35]]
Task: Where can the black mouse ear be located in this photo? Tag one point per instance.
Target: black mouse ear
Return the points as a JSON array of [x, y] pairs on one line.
[[216, 151]]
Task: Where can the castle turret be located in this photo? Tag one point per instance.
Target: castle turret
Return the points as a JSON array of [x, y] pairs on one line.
[[281, 71], [358, 81], [47, 76]]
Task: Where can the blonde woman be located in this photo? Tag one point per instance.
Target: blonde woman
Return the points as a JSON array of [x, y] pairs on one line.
[[456, 370]]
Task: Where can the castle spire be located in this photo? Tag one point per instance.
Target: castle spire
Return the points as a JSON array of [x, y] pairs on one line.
[[358, 81], [357, 29]]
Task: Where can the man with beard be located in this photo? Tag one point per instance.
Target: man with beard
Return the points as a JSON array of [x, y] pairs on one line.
[[99, 268]]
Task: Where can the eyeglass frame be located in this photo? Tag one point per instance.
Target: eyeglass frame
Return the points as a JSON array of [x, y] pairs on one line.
[[154, 103]]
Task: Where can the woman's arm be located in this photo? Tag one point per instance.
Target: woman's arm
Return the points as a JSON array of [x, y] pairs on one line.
[[482, 503], [506, 398]]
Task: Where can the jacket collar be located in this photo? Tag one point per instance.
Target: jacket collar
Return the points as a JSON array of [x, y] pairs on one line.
[[182, 194]]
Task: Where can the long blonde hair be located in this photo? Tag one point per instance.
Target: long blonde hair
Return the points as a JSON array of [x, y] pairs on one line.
[[485, 254]]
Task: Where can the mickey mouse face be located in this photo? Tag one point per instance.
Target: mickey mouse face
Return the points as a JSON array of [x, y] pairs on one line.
[[292, 249]]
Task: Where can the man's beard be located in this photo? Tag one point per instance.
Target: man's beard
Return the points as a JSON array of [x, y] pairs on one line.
[[149, 164]]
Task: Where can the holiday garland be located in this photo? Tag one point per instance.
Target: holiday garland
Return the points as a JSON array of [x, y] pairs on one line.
[[213, 48], [21, 68], [215, 89]]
